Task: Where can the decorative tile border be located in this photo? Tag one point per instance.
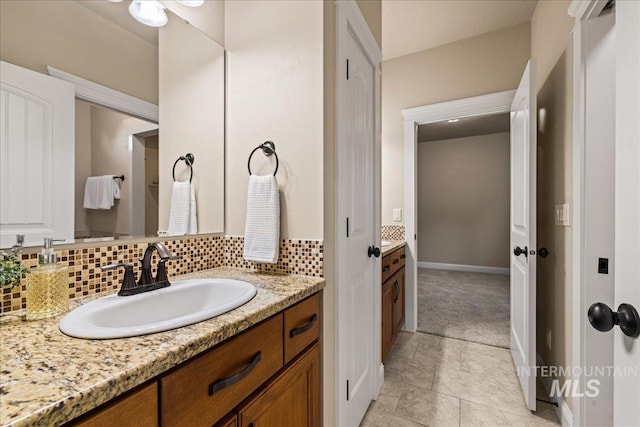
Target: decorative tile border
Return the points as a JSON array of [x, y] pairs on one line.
[[303, 257], [85, 278], [392, 232]]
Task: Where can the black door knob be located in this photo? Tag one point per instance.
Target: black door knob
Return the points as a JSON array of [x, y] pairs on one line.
[[373, 251], [517, 251], [543, 252], [604, 319]]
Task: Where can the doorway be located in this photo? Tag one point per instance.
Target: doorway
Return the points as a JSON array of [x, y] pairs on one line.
[[463, 228]]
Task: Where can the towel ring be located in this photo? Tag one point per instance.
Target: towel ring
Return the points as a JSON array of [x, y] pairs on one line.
[[268, 148], [188, 159]]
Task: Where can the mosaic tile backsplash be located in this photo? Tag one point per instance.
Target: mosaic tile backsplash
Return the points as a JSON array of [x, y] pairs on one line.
[[392, 232], [302, 257]]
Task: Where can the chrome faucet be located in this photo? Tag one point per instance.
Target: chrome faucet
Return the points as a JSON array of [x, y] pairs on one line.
[[147, 282]]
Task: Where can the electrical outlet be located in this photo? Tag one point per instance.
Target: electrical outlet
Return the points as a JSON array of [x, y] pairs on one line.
[[549, 338], [397, 214], [563, 215]]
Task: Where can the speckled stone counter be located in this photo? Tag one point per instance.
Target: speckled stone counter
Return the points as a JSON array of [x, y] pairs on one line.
[[395, 244], [48, 378]]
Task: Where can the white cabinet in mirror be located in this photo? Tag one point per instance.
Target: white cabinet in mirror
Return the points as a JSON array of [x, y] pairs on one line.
[[93, 96]]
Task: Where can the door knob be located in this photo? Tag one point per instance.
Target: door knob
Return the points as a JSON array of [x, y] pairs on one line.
[[604, 319], [373, 251], [517, 251], [543, 252]]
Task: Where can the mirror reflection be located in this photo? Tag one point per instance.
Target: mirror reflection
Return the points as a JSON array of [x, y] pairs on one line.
[[99, 164]]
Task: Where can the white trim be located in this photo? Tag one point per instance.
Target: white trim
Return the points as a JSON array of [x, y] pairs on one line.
[[563, 412], [494, 103], [349, 20], [102, 95], [582, 10], [463, 267], [578, 335]]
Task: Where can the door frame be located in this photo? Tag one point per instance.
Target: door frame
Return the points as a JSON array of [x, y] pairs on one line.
[[581, 10], [494, 103], [351, 22]]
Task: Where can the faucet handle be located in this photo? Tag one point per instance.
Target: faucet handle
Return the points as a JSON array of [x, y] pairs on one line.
[[161, 275], [129, 279]]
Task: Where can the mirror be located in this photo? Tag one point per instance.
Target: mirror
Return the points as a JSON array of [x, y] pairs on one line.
[[176, 69]]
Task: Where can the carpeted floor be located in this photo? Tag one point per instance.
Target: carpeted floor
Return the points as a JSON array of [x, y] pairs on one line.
[[467, 306]]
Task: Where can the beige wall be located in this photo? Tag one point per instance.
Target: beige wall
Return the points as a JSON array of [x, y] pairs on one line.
[[551, 47], [68, 36], [275, 92], [463, 201], [480, 65], [192, 120], [110, 154], [82, 164], [372, 12], [208, 18], [151, 188]]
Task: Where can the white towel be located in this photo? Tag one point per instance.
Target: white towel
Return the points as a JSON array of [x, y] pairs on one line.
[[262, 228], [183, 216], [100, 192]]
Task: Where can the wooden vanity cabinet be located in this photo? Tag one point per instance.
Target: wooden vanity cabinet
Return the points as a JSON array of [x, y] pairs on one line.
[[268, 375], [139, 407], [292, 399], [393, 296]]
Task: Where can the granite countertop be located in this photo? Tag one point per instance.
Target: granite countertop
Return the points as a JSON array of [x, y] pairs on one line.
[[48, 378], [395, 244]]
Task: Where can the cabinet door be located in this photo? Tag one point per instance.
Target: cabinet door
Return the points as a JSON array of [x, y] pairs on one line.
[[137, 408], [387, 317], [292, 398], [398, 301]]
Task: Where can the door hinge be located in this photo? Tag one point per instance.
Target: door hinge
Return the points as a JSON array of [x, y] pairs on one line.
[[347, 389], [347, 226], [347, 69]]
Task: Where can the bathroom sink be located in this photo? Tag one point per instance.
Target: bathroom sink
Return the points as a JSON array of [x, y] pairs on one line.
[[181, 304], [385, 243]]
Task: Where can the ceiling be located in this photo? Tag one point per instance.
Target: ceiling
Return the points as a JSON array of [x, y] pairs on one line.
[[410, 26], [469, 126], [118, 13]]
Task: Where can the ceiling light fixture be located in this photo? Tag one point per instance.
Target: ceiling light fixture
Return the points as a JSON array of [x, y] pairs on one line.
[[452, 120], [148, 12], [191, 3]]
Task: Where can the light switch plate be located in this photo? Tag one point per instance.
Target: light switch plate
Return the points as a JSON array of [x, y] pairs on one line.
[[563, 215], [397, 214]]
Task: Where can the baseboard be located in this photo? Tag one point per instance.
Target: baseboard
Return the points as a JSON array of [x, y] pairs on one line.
[[562, 410], [462, 267]]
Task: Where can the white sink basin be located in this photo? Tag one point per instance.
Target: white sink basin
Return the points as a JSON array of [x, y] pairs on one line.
[[384, 243], [181, 304]]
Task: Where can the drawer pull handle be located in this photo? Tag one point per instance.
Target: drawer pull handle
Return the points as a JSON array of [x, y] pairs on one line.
[[304, 328], [403, 256], [395, 261], [229, 381], [386, 268]]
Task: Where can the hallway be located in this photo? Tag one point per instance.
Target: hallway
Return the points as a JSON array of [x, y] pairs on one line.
[[436, 381]]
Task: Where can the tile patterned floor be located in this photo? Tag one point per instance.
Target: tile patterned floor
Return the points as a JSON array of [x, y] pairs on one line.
[[437, 381]]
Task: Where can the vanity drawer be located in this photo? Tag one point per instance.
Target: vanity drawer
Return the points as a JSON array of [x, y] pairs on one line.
[[301, 326], [204, 390], [392, 263]]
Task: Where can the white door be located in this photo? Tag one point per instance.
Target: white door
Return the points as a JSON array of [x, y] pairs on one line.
[[523, 233], [356, 215], [36, 156], [626, 349]]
